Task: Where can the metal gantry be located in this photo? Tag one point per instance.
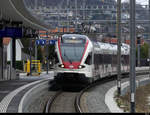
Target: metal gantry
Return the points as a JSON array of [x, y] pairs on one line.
[[1, 57]]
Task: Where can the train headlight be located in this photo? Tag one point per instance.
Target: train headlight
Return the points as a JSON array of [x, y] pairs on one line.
[[62, 66], [81, 66]]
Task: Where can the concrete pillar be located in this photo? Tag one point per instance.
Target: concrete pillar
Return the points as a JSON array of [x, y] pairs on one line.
[[14, 53], [1, 59], [13, 60]]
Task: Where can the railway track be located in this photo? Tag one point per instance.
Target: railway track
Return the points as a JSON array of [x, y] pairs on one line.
[[70, 102], [62, 102]]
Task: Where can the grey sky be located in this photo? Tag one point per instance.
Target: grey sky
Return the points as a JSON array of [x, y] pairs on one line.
[[143, 2]]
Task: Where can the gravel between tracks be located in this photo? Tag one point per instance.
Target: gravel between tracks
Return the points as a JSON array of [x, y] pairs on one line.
[[38, 104], [64, 103]]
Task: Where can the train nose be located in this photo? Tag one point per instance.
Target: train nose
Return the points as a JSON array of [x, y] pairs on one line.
[[71, 66]]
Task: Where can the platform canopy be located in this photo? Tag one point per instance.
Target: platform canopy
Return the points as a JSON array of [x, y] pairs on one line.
[[15, 10]]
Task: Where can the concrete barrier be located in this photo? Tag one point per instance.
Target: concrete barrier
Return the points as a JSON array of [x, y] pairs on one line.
[[109, 97]]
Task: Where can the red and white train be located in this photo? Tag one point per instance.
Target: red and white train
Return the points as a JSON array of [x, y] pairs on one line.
[[82, 59]]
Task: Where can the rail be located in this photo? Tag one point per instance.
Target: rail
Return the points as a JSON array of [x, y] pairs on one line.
[[50, 102]]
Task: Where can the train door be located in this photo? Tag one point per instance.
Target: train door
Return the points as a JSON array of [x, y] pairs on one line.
[[103, 71], [100, 63]]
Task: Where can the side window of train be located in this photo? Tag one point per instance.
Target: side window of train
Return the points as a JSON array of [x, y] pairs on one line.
[[89, 59]]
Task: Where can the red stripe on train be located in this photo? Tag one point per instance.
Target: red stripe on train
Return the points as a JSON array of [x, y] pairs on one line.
[[60, 50]]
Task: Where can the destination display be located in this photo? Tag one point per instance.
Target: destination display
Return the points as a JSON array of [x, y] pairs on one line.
[[73, 41]]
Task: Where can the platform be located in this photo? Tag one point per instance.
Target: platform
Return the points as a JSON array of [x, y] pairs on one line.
[[12, 91]]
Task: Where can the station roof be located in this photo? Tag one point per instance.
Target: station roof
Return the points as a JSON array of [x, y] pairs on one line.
[[16, 11]]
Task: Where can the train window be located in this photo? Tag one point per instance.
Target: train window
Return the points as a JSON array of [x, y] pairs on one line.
[[96, 61], [72, 53], [100, 59], [107, 59], [89, 59]]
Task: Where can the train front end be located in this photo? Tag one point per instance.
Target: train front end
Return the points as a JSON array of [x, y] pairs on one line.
[[72, 51]]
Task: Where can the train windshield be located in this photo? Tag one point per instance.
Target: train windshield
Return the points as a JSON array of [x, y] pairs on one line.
[[72, 49], [72, 53]]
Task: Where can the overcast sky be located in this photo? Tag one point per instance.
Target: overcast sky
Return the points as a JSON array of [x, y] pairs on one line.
[[143, 2]]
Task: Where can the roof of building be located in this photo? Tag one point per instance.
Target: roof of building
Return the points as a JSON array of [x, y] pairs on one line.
[[6, 42], [16, 11]]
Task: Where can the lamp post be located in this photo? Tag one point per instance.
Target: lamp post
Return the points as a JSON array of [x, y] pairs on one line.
[[1, 48], [47, 64], [1, 57], [68, 16], [30, 49], [76, 15], [36, 37]]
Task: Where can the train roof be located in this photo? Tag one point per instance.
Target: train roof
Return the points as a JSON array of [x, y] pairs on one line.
[[107, 48]]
